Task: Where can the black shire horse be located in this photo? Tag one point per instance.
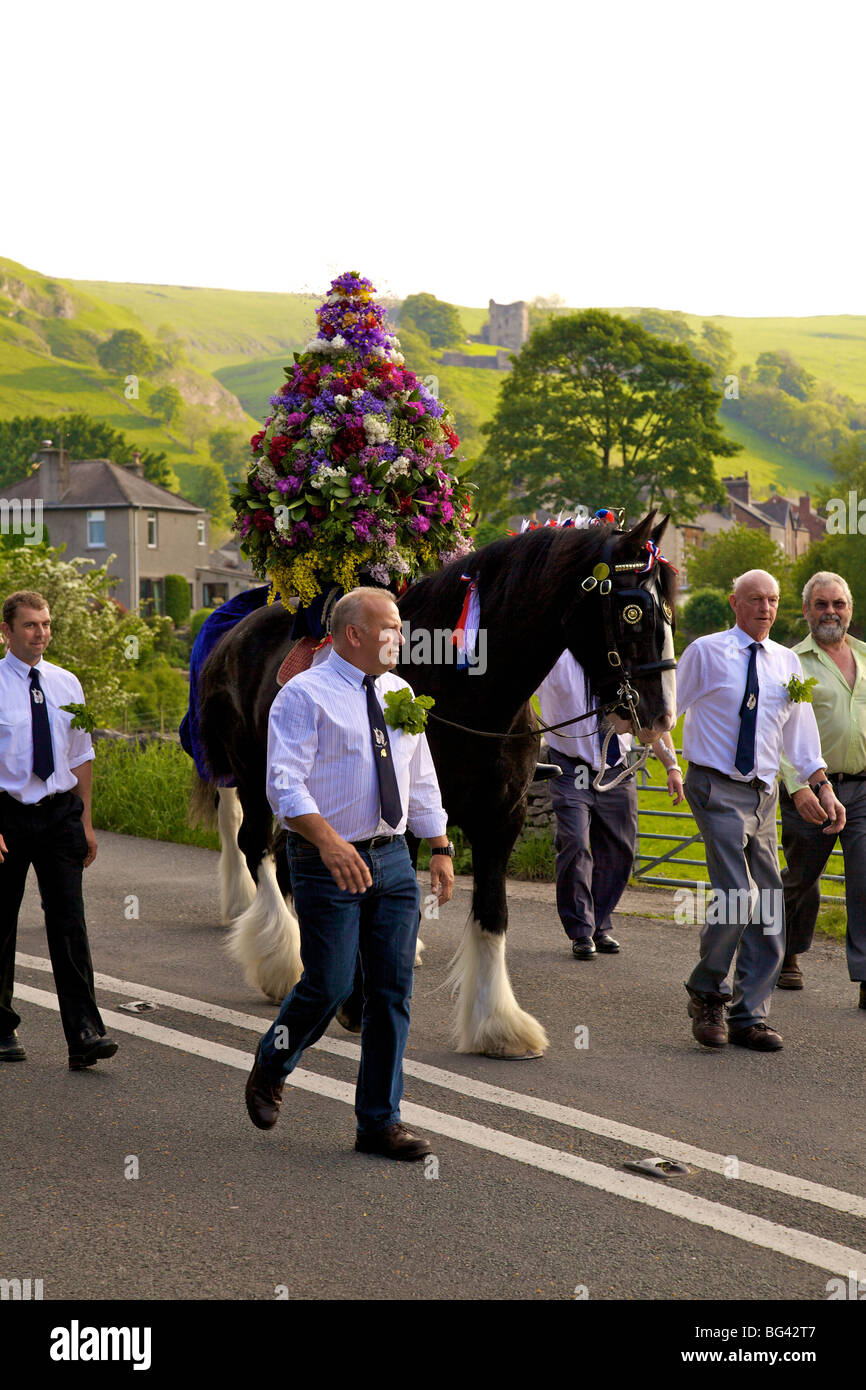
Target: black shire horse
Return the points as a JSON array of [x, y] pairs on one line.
[[601, 592]]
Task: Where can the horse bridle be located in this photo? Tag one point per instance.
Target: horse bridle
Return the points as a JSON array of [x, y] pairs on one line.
[[635, 605]]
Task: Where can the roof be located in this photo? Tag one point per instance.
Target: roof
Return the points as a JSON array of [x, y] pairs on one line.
[[101, 483]]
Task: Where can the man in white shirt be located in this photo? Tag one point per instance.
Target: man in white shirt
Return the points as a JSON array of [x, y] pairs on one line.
[[595, 829], [740, 716], [347, 786], [45, 782]]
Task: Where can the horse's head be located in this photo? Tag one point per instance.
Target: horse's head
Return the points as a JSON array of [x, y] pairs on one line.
[[626, 599]]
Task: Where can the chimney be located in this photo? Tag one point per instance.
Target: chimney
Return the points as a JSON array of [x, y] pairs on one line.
[[135, 466], [739, 488], [53, 467], [806, 505]]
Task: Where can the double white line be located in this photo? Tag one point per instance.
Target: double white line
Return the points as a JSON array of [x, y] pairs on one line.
[[784, 1240]]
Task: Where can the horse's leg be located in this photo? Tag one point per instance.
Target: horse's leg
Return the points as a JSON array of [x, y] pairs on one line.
[[237, 885], [265, 939], [488, 1018]]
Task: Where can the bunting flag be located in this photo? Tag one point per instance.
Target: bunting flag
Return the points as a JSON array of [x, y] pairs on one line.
[[466, 632]]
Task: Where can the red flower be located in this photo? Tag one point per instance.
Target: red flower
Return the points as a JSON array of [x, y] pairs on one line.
[[405, 505], [256, 441], [263, 519], [318, 513], [452, 439], [279, 447]]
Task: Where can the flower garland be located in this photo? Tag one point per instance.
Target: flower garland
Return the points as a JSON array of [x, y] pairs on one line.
[[349, 472]]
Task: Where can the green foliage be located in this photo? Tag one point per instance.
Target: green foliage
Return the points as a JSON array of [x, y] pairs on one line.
[[402, 711], [145, 791], [438, 319], [785, 402], [177, 604], [842, 554], [599, 412], [127, 352], [230, 448], [82, 717], [533, 857], [205, 485], [462, 851], [83, 437], [160, 696], [90, 635], [199, 617], [800, 692], [779, 369], [730, 553], [166, 404], [707, 610], [714, 347]]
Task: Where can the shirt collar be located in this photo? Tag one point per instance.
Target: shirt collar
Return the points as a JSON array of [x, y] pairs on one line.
[[353, 674], [743, 639], [20, 667]]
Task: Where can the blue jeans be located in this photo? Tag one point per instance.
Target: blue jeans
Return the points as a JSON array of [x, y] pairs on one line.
[[382, 924]]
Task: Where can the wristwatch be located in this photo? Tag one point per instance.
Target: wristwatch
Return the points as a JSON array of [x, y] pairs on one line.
[[444, 849]]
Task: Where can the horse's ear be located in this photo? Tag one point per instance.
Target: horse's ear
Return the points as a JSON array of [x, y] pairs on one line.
[[637, 538], [658, 531]]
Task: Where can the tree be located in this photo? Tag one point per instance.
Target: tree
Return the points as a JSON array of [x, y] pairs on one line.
[[127, 351], [231, 450], [545, 307], [706, 610], [728, 554], [82, 437], [172, 347], [597, 411], [166, 404], [665, 323], [195, 422], [439, 320], [780, 369], [205, 485], [177, 604]]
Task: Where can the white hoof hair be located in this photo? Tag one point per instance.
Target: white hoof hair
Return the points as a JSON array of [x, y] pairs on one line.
[[488, 1018], [265, 939], [237, 885], [419, 949]]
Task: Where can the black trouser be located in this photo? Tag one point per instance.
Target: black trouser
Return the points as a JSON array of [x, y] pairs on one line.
[[51, 838], [807, 850]]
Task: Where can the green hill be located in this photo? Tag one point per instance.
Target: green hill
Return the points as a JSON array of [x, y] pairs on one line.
[[232, 346]]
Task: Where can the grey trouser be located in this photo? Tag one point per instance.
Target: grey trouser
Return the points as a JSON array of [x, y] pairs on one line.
[[746, 921], [595, 834], [807, 850]]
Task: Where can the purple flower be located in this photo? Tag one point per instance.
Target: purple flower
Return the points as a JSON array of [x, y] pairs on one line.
[[359, 485], [302, 530], [446, 510], [289, 486], [419, 524]]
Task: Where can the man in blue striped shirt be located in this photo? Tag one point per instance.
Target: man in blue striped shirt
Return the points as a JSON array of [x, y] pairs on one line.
[[347, 787]]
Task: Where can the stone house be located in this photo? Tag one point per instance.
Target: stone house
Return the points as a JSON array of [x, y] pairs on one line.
[[98, 508]]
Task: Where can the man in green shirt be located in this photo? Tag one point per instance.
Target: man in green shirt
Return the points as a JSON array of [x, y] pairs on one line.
[[838, 662]]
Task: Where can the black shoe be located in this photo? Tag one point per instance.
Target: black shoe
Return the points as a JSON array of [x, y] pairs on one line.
[[89, 1050], [397, 1141], [606, 944], [583, 949], [263, 1097], [11, 1049], [861, 1004]]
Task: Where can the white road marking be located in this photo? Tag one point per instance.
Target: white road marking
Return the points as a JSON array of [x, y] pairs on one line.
[[784, 1240], [787, 1183]]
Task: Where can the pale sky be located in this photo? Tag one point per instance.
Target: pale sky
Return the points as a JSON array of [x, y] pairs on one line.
[[698, 156]]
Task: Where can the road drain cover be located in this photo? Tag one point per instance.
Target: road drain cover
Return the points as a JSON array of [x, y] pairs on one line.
[[137, 1006], [658, 1167]]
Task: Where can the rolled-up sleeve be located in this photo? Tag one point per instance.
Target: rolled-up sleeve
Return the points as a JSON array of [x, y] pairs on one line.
[[425, 815], [689, 676], [292, 745]]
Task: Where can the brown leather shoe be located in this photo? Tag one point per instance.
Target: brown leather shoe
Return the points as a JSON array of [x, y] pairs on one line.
[[263, 1097], [790, 976], [760, 1037], [397, 1141], [709, 1021]]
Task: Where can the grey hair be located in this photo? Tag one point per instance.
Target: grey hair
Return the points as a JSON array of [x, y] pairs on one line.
[[820, 581], [351, 608]]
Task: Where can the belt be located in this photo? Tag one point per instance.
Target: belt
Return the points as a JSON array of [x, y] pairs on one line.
[[556, 753], [837, 777], [754, 783], [374, 841], [30, 804]]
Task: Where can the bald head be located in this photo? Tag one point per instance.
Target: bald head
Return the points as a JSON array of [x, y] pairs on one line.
[[366, 630], [755, 600]]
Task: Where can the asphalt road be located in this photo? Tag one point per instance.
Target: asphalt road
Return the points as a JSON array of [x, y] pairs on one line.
[[143, 1178]]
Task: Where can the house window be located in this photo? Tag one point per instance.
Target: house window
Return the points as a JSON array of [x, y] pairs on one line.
[[151, 597], [202, 531], [96, 530], [151, 530]]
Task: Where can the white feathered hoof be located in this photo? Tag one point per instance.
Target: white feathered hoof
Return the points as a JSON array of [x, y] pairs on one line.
[[265, 939], [237, 885], [419, 949], [488, 1018]]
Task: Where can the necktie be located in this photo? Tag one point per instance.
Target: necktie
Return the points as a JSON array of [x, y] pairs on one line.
[[744, 762], [614, 752], [43, 753], [389, 794]]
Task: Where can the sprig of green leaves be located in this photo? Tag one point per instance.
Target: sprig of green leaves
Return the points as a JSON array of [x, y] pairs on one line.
[[405, 711], [801, 691], [82, 718]]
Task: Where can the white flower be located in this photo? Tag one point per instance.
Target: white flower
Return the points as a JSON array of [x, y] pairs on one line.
[[321, 429], [267, 474], [325, 474], [357, 393], [341, 402], [338, 342], [376, 429], [399, 467]]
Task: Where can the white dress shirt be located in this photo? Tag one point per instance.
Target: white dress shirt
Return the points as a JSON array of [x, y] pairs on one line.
[[320, 756], [72, 747], [711, 683], [562, 695]]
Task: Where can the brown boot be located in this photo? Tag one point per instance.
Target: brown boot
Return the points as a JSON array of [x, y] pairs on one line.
[[709, 1020], [790, 976]]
